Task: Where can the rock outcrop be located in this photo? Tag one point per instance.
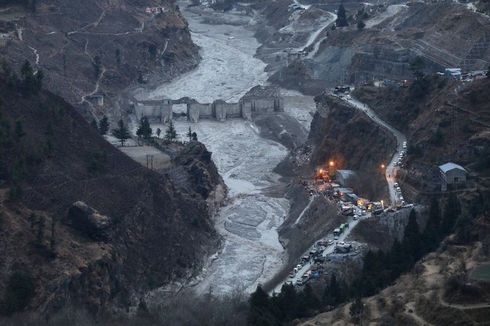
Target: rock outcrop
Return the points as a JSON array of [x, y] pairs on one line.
[[88, 221]]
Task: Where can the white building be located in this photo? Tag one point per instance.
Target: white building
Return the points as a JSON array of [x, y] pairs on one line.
[[453, 72], [452, 174]]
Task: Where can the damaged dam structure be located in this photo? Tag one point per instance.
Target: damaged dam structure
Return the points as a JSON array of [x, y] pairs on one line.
[[258, 100]]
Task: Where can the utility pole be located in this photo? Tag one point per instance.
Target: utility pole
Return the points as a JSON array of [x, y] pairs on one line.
[[149, 161]]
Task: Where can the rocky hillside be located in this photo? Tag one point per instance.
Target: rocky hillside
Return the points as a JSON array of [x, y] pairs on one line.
[[347, 136], [443, 34], [83, 225], [447, 122], [98, 47], [443, 288]]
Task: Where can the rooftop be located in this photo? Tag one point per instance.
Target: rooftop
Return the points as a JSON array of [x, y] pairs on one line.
[[346, 173], [450, 166]]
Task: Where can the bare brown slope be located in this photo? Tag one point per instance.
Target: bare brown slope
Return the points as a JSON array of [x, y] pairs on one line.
[[159, 231]]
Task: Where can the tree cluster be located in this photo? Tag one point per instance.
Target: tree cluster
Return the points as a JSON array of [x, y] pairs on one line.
[[121, 132], [27, 4], [283, 307], [379, 270], [18, 294], [170, 133], [421, 84], [341, 17], [144, 130]]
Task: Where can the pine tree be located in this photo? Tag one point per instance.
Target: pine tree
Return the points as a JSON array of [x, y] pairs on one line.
[[194, 136], [19, 130], [356, 309], [40, 230], [417, 67], [159, 132], [309, 299], [189, 134], [341, 17], [94, 125], [28, 82], [97, 64], [144, 129], [332, 295], [52, 241], [286, 303], [118, 57], [452, 210], [259, 310], [104, 125], [121, 133], [432, 232], [170, 133], [360, 25], [411, 239]]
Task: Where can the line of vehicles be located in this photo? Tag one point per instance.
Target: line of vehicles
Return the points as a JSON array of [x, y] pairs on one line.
[[401, 157], [398, 190]]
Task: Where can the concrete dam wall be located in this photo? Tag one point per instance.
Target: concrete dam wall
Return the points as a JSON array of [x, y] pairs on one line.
[[259, 100]]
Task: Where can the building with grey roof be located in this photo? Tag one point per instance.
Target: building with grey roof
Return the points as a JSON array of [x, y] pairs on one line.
[[452, 174]]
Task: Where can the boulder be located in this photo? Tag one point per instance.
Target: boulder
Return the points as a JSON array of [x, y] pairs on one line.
[[88, 221]]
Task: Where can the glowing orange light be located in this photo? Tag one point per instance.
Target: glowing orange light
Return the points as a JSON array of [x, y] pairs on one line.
[[383, 166], [331, 163]]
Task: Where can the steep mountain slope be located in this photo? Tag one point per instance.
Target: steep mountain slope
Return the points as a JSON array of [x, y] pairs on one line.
[[343, 134], [98, 47], [447, 122], [91, 227]]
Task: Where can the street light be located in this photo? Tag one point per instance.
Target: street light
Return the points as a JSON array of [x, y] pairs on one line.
[[383, 166], [331, 163]]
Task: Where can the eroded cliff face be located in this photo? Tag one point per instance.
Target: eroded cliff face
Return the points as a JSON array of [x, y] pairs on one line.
[[93, 228], [341, 133], [94, 47]]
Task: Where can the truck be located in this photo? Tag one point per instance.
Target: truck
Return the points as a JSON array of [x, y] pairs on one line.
[[347, 210], [344, 227], [344, 248], [344, 89], [337, 232]]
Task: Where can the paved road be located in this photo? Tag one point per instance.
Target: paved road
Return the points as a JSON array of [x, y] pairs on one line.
[[400, 139], [328, 250]]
